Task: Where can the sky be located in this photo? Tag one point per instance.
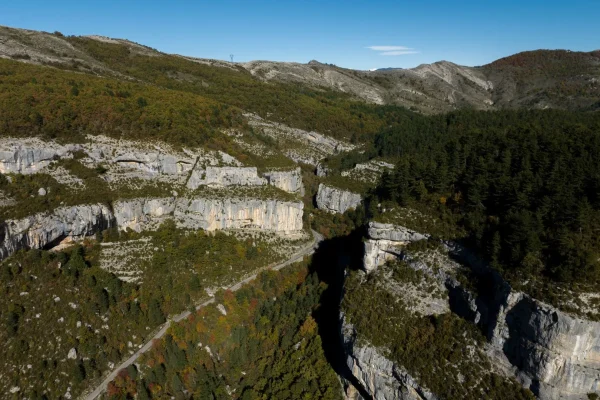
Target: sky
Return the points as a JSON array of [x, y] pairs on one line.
[[352, 34]]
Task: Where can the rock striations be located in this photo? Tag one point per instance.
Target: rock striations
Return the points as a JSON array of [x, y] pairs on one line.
[[287, 180], [131, 159], [225, 176], [44, 230], [30, 156], [336, 200], [379, 376], [47, 229], [554, 354], [384, 243]]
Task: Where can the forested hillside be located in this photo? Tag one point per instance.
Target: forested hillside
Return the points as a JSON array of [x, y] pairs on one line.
[[260, 342], [204, 146], [523, 184]]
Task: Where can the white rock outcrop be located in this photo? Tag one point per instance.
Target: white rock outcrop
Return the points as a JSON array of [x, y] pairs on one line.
[[384, 242], [225, 176], [556, 355], [41, 230], [47, 229], [552, 353], [287, 180], [378, 376], [29, 156], [336, 200], [210, 214]]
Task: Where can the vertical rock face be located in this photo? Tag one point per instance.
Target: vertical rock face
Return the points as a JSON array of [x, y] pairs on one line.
[[29, 156], [41, 230], [288, 181], [383, 243], [143, 214], [336, 200], [322, 170], [554, 354], [557, 356], [211, 214], [225, 176], [154, 163], [380, 377]]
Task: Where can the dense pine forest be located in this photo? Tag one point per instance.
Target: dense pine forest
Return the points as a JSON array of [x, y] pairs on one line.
[[525, 185]]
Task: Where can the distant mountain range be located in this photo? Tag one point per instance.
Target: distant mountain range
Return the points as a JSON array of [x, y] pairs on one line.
[[534, 79]]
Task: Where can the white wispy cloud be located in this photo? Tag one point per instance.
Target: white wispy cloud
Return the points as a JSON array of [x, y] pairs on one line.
[[398, 52], [393, 50]]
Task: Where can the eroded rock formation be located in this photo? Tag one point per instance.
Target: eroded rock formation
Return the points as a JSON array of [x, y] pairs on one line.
[[225, 176], [556, 355], [287, 180], [380, 377], [28, 156], [384, 243], [132, 159], [336, 200], [46, 229], [552, 353], [42, 230]]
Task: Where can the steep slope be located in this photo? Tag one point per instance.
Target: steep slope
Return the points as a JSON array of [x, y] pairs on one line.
[[328, 111], [535, 79], [546, 79]]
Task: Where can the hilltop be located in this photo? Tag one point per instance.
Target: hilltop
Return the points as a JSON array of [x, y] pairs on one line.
[[534, 79]]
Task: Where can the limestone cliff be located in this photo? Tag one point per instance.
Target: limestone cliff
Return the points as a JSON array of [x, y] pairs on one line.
[[42, 230], [45, 230], [125, 159], [380, 377], [28, 156], [384, 242], [336, 200], [555, 354], [210, 214], [225, 176], [289, 181], [551, 352]]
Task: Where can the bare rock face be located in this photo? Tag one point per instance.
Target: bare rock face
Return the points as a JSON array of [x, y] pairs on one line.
[[225, 176], [210, 214], [42, 230], [336, 200], [556, 355], [322, 170], [28, 156], [215, 214], [155, 163], [288, 181], [380, 377], [384, 241], [127, 159], [45, 230], [302, 146], [143, 214]]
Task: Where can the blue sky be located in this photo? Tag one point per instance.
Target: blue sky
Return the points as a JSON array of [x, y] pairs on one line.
[[353, 34]]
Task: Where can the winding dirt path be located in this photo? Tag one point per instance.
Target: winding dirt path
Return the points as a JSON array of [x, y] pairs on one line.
[[298, 256]]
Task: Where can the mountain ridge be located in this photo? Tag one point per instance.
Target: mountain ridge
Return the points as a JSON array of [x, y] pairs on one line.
[[532, 79]]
